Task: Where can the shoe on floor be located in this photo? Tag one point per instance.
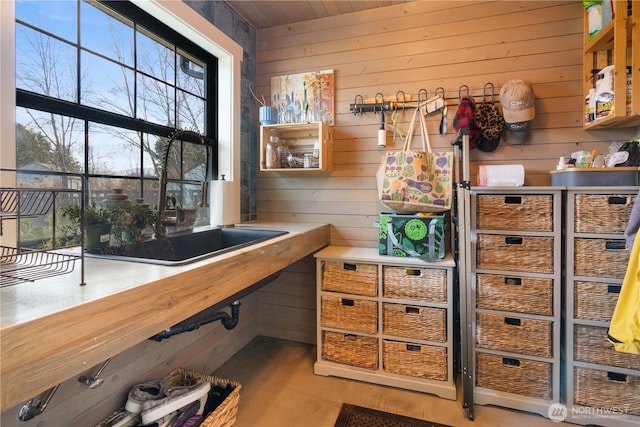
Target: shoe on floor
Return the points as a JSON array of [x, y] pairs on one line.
[[176, 398], [140, 393]]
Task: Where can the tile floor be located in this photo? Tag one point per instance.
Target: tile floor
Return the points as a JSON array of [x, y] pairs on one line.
[[279, 389]]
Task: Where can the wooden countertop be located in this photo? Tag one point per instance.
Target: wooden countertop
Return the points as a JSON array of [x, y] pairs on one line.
[[52, 329]]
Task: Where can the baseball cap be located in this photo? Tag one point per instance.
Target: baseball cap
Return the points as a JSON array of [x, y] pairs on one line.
[[517, 133], [517, 99]]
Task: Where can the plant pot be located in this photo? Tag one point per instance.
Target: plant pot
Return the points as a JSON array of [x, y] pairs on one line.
[[97, 236], [268, 115]]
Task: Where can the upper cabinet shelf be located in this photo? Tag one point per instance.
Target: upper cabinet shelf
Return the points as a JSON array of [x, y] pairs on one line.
[[618, 44], [296, 147]]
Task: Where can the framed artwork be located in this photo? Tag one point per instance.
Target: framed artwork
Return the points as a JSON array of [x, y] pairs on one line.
[[304, 97]]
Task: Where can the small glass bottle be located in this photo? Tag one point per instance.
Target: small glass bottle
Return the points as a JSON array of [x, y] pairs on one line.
[[271, 154]]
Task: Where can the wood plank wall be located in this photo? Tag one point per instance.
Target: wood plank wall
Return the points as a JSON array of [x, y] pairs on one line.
[[407, 47], [426, 44]]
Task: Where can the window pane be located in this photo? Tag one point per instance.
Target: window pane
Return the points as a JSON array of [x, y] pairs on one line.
[[113, 151], [107, 33], [58, 17], [156, 101], [45, 65], [152, 155], [155, 57], [190, 112], [58, 141], [106, 85], [191, 74]]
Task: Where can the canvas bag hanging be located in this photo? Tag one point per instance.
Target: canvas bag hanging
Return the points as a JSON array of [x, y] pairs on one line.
[[416, 181]]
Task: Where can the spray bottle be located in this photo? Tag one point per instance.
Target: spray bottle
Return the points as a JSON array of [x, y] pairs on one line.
[[604, 92]]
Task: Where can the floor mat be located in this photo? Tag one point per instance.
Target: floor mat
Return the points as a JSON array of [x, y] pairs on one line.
[[358, 416]]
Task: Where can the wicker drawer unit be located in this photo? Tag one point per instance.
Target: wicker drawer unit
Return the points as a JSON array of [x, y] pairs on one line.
[[515, 253], [606, 389], [351, 314], [514, 375], [420, 284], [595, 300], [423, 323], [415, 360], [350, 349], [396, 322], [350, 277], [601, 258], [514, 334], [602, 213], [592, 346], [515, 293], [515, 212], [596, 375]]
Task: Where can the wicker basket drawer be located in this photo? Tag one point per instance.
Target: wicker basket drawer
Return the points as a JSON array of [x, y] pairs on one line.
[[351, 278], [515, 212], [351, 314], [421, 284], [349, 349], [409, 321], [424, 361], [514, 375], [518, 294], [514, 334], [595, 301], [515, 253], [591, 345], [603, 389], [602, 213], [600, 258]]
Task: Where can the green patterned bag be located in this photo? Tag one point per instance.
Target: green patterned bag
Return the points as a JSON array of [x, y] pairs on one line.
[[414, 235]]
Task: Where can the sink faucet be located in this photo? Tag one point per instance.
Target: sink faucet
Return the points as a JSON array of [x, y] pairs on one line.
[[184, 135]]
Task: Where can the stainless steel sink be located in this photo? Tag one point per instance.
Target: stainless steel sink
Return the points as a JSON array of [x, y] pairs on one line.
[[185, 248]]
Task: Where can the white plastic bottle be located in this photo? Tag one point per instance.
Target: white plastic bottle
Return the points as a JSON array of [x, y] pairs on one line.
[[604, 93]]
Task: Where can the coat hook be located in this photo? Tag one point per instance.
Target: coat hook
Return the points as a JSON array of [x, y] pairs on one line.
[[460, 92], [404, 97], [426, 95], [358, 104], [375, 100], [440, 89], [484, 92]]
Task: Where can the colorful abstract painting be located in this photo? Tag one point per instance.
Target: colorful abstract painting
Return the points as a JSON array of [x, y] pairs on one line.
[[304, 97]]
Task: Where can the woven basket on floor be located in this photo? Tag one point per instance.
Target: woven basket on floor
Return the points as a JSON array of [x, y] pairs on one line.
[[422, 284], [604, 389], [225, 414], [592, 346], [514, 375], [606, 258], [602, 213], [415, 360], [594, 300], [515, 253], [350, 278], [515, 212], [518, 294], [514, 334]]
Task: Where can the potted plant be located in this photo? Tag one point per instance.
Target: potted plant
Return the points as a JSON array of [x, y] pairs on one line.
[[97, 225], [268, 115]]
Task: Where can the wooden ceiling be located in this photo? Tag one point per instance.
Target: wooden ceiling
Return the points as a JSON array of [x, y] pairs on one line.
[[266, 13]]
